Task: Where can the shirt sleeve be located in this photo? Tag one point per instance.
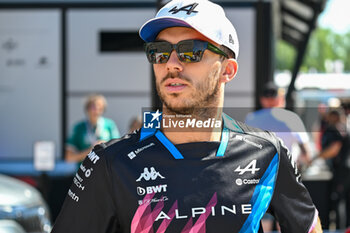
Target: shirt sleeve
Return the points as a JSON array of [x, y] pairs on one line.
[[89, 205], [291, 203]]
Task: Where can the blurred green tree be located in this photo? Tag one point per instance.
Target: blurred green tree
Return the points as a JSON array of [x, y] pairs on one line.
[[285, 55], [324, 45]]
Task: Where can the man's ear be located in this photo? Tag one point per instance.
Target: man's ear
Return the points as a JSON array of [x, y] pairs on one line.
[[229, 71]]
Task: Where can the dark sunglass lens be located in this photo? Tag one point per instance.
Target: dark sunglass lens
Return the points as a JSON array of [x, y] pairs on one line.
[[161, 57], [158, 52], [198, 48], [186, 53]]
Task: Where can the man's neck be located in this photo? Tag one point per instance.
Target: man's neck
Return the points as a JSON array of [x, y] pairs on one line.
[[178, 133], [187, 137]]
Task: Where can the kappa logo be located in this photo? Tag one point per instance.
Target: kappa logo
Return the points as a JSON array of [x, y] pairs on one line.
[[251, 167], [151, 174], [188, 8]]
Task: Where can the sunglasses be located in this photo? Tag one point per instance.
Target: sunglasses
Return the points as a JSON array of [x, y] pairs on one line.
[[188, 51]]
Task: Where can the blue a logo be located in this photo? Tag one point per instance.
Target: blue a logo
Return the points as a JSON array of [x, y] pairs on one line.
[[152, 120]]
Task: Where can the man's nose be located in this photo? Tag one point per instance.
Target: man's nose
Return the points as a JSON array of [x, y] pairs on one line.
[[174, 64]]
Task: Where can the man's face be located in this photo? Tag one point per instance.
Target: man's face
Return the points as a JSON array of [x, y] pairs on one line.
[[272, 102], [185, 86], [95, 110]]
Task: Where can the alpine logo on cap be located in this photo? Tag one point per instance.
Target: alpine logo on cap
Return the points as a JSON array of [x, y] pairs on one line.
[[189, 9], [230, 40]]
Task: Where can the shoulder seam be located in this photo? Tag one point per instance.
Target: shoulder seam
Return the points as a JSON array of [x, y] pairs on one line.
[[270, 136]]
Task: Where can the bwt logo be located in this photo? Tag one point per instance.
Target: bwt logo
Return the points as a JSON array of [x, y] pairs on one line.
[[152, 120], [151, 189]]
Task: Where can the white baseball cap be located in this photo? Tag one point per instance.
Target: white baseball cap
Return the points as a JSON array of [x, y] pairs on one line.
[[202, 15]]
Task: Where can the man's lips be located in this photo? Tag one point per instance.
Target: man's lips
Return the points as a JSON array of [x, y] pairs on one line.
[[175, 84]]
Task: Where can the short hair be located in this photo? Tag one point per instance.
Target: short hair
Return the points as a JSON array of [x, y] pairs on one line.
[[334, 112], [94, 98], [228, 51]]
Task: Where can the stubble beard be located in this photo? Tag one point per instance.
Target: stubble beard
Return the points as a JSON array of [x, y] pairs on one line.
[[200, 104]]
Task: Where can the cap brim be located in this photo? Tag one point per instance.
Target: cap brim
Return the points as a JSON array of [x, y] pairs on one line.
[[150, 30]]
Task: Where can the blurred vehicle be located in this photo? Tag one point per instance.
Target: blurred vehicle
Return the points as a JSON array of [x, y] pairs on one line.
[[24, 205]]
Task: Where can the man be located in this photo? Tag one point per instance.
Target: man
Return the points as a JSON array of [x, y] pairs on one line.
[[336, 152], [284, 123], [200, 181]]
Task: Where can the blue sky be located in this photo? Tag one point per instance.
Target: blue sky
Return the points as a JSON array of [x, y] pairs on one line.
[[336, 16]]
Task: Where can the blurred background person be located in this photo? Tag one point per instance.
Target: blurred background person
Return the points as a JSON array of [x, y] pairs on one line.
[[335, 150], [319, 126], [286, 125], [90, 131], [346, 107]]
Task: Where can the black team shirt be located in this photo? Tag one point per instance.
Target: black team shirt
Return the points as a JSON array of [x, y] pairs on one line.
[[142, 183]]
